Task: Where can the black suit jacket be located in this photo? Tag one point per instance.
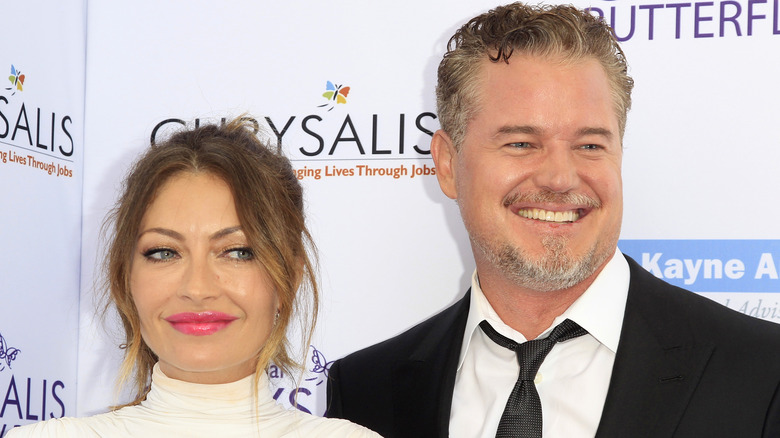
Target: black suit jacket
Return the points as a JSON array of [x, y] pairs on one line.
[[685, 367]]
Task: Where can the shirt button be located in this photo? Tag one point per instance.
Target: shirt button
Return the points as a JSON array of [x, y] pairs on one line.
[[538, 378]]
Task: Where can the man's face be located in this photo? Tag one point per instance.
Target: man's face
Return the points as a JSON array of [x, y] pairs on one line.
[[537, 177]]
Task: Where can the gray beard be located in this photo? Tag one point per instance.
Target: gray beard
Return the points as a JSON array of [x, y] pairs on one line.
[[556, 270]]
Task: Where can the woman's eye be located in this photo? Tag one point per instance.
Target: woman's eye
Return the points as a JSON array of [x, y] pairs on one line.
[[241, 254], [159, 254]]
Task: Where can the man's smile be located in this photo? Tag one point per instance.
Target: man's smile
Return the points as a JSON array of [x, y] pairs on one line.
[[549, 216]]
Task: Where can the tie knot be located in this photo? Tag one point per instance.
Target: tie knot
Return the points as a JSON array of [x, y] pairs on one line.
[[531, 354], [566, 330]]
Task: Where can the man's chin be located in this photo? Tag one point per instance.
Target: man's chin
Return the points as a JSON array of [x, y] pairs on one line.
[[556, 268]]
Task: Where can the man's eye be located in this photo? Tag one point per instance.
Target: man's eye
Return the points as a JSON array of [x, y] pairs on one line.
[[241, 254], [520, 145], [590, 146], [160, 254]]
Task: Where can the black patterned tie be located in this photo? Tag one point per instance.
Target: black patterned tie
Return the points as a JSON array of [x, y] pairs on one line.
[[522, 417]]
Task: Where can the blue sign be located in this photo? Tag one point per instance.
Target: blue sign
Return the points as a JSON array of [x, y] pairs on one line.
[[710, 265]]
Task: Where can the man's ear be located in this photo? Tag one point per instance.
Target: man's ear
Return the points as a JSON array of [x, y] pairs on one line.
[[445, 159]]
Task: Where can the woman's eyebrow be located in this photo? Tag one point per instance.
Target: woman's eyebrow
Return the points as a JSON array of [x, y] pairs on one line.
[[164, 231], [225, 231]]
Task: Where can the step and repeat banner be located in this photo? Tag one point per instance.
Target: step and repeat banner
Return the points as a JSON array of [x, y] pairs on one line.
[[41, 154], [345, 89]]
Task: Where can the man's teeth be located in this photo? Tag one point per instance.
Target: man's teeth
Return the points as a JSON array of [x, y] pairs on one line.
[[549, 216]]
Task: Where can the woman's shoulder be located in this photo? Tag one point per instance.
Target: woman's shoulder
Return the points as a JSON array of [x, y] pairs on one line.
[[314, 426], [288, 424], [55, 428]]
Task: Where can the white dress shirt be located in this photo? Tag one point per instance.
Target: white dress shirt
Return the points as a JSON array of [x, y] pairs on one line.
[[573, 379]]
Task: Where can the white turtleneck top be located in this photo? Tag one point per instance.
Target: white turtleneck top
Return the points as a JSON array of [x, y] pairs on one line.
[[174, 408]]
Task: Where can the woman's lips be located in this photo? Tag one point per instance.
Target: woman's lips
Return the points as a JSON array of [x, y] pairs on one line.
[[201, 323]]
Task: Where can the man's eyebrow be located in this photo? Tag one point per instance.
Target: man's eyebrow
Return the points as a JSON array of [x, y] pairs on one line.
[[533, 130], [517, 129], [596, 131]]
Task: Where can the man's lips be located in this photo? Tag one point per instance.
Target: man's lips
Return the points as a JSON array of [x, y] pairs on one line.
[[201, 323], [552, 207]]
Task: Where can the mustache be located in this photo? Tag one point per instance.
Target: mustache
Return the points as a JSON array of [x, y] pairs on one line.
[[548, 197]]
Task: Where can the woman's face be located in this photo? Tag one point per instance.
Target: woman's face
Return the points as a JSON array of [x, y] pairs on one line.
[[206, 305]]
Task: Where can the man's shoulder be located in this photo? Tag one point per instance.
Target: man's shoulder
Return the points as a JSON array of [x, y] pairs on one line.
[[416, 340], [406, 375], [667, 305]]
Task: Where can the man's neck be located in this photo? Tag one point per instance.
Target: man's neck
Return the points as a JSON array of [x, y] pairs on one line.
[[528, 311]]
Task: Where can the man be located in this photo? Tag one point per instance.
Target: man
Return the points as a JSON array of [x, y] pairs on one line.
[[532, 103]]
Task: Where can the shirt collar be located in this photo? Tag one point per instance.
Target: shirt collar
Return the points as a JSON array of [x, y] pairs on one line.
[[599, 310]]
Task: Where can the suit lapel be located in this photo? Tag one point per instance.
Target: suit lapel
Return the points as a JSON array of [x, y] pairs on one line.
[[657, 366], [423, 384]]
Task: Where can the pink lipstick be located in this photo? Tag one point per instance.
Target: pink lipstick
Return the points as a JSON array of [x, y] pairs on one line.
[[201, 323]]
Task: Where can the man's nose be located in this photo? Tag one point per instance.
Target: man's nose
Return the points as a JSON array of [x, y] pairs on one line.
[[557, 171]]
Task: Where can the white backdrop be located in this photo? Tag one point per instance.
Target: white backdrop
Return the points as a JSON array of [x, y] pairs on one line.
[[41, 154], [700, 148]]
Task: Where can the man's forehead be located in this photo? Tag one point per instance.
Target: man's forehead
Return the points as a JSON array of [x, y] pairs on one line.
[[522, 66], [522, 63]]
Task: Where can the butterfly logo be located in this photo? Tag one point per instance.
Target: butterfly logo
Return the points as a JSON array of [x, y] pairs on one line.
[[321, 365], [7, 353], [335, 94], [16, 79]]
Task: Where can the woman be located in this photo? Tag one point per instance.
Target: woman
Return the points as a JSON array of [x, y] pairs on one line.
[[205, 267]]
